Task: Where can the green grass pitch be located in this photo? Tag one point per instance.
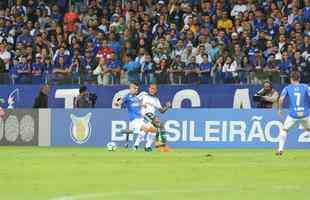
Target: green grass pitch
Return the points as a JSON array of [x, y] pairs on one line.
[[34, 173]]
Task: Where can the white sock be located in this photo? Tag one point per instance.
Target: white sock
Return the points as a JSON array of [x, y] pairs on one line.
[[282, 139], [139, 139], [149, 140]]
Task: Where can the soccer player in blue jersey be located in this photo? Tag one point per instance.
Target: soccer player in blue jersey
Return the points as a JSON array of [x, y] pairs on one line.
[[133, 105], [298, 108]]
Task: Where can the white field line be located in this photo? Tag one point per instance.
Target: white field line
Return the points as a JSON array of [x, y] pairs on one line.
[[143, 192]]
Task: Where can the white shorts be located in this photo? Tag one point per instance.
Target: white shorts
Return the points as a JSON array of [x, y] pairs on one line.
[[137, 124], [290, 122]]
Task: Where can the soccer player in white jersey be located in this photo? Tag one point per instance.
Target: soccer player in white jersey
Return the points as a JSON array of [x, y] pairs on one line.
[[298, 108], [150, 104]]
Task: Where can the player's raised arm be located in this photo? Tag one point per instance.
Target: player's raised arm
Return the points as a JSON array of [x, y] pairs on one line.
[[165, 108]]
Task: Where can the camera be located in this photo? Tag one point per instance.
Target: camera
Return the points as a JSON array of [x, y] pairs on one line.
[[257, 97], [85, 99]]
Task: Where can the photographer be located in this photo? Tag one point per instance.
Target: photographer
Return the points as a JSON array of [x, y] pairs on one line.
[[41, 100], [85, 99], [267, 97]]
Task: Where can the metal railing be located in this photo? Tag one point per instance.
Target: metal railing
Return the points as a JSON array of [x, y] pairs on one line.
[[6, 79]]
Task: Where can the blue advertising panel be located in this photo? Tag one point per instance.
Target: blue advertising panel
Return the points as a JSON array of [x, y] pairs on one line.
[[186, 96], [187, 128], [18, 96]]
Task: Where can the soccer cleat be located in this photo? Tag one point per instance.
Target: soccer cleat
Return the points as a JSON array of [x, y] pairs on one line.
[[148, 149], [279, 153], [135, 148], [167, 149], [158, 144], [161, 149]]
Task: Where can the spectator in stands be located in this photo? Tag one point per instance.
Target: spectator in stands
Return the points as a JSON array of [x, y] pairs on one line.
[[205, 70], [127, 49], [5, 55], [200, 53], [64, 54], [114, 66], [244, 70], [162, 72], [89, 64], [76, 68], [37, 69], [258, 64], [230, 70], [23, 69], [272, 69], [178, 50], [102, 72], [239, 8], [105, 51], [188, 54], [225, 22], [161, 50], [61, 71], [176, 70], [218, 70], [147, 70], [163, 29], [192, 71], [214, 50], [286, 64], [131, 69]]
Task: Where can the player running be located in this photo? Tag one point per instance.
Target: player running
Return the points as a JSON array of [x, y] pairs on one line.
[[133, 105], [150, 104], [298, 109]]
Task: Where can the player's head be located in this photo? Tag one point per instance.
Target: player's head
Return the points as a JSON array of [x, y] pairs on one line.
[[45, 89], [295, 77], [134, 87], [82, 89], [267, 85], [152, 89]]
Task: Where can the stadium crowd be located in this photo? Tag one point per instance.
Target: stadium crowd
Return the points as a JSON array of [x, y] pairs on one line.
[[167, 42]]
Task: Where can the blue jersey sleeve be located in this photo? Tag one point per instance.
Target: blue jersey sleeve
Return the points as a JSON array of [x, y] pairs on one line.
[[284, 92], [125, 102], [308, 90]]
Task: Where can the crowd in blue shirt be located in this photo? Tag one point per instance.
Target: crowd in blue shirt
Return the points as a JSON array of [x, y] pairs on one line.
[[119, 41]]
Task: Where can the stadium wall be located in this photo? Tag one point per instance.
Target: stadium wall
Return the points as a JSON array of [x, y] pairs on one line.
[[187, 128], [19, 128], [202, 96]]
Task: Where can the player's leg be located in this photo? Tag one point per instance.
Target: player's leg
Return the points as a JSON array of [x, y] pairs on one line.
[[161, 137], [154, 124], [305, 122], [139, 139], [136, 125], [288, 123], [163, 141], [151, 131], [150, 138]]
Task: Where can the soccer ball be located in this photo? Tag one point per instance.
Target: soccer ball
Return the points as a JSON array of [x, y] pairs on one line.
[[111, 146]]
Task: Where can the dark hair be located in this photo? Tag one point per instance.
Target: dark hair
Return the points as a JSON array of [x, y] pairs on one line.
[[82, 89], [267, 81], [136, 83], [295, 75]]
